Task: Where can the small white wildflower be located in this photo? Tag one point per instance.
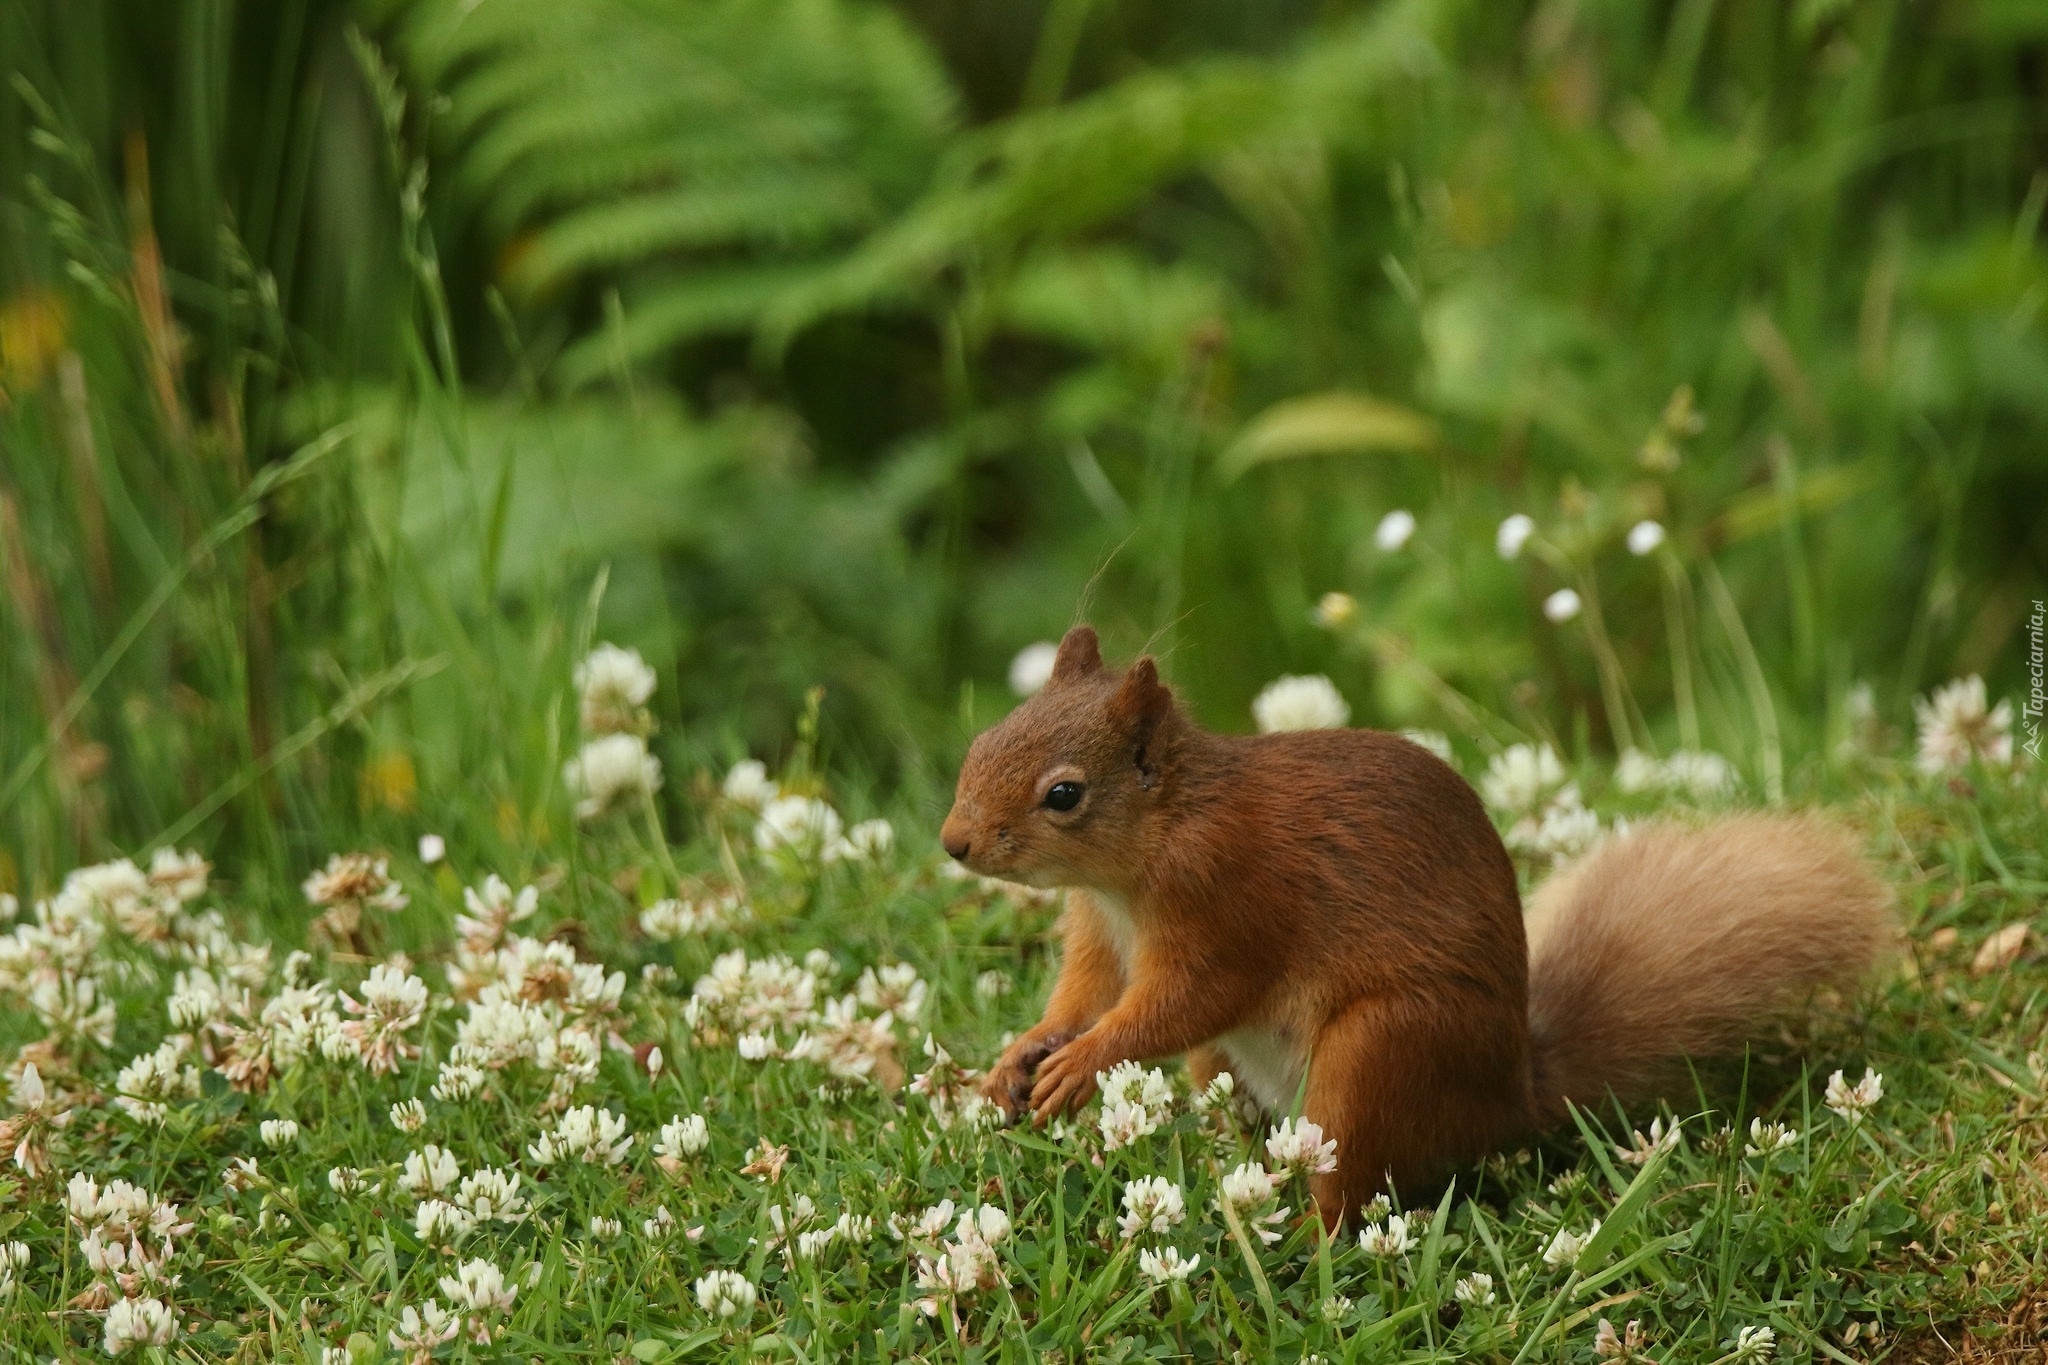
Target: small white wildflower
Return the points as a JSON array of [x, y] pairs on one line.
[[489, 1193], [853, 1228], [1031, 670], [440, 1223], [1300, 703], [1394, 530], [1565, 1248], [433, 848], [1513, 534], [138, 1322], [727, 1295], [1167, 1265], [747, 784], [278, 1134], [660, 1225], [1134, 1083], [1853, 1102], [409, 1116], [1643, 1146], [1123, 1124], [1389, 1239], [1643, 537], [1754, 1344], [1519, 778], [1297, 1146], [1958, 724], [683, 1137], [1562, 605], [812, 1244], [612, 684], [992, 985], [479, 1286], [986, 1222], [1699, 774], [894, 987], [1436, 741], [1625, 1345], [609, 772], [594, 1136], [604, 1229], [459, 1082], [1767, 1139], [346, 1180], [1151, 1204], [1334, 1309], [1334, 609], [429, 1171], [1248, 1190], [423, 1327], [1474, 1289], [1217, 1094], [870, 840], [755, 1047], [801, 824]]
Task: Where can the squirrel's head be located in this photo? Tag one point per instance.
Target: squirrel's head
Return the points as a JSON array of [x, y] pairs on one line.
[[1057, 793]]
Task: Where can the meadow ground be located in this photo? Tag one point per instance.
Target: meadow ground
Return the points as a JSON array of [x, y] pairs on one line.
[[708, 1100]]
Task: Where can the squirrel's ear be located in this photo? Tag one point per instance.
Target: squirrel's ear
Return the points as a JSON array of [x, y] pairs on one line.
[[1080, 654], [1141, 699]]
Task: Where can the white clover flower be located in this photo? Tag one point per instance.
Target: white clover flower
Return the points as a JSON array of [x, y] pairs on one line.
[[1625, 1345], [593, 1136], [1513, 534], [393, 1002], [1217, 1094], [802, 824], [1566, 830], [422, 1328], [747, 784], [612, 684], [1565, 1248], [346, 1180], [13, 1258], [1167, 1265], [1389, 1239], [489, 1193], [479, 1286], [1754, 1344], [1562, 605], [668, 920], [605, 1229], [358, 880], [433, 848], [278, 1134], [814, 1243], [660, 1225], [1131, 1082], [855, 1229], [611, 771], [755, 1047], [1519, 778], [1958, 724], [727, 1295], [148, 1085], [993, 985], [1474, 1289], [1123, 1124], [683, 1137], [870, 840], [459, 1082], [429, 1171], [987, 1222], [1394, 530], [894, 987], [409, 1116], [1248, 1191], [1334, 609], [1700, 775], [1300, 703], [1644, 537], [1768, 1139], [138, 1322], [1297, 1146], [1646, 1145], [1637, 771], [1151, 1204], [1853, 1102], [440, 1223], [1031, 670], [1436, 741]]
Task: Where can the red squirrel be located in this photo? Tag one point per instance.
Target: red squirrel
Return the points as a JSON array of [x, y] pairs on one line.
[[1335, 907]]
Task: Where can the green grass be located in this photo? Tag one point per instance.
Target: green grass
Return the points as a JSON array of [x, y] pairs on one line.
[[1856, 1239]]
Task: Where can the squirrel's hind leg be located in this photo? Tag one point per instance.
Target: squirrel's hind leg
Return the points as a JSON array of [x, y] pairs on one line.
[[1410, 1089], [1205, 1064]]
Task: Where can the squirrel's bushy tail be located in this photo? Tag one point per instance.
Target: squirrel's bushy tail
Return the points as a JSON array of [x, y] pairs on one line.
[[1673, 941]]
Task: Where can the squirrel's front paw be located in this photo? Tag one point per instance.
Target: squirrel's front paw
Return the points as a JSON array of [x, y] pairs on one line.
[[1066, 1079], [1008, 1083]]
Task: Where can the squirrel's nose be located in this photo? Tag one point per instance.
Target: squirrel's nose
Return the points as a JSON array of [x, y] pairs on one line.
[[957, 846]]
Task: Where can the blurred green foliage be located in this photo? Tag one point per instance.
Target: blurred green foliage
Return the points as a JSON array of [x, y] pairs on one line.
[[859, 345]]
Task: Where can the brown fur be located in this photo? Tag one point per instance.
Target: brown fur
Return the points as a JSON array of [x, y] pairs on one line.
[[1339, 899]]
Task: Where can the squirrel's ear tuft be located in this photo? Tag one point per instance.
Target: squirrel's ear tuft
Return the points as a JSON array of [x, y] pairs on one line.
[[1141, 699], [1080, 654]]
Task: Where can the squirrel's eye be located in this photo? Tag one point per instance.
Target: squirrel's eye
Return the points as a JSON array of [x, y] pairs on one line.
[[1063, 796]]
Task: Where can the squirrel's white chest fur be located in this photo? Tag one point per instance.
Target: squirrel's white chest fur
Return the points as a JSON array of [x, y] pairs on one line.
[[1266, 1062]]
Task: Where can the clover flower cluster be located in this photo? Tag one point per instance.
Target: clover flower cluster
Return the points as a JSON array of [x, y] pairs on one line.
[[754, 1003], [613, 770]]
